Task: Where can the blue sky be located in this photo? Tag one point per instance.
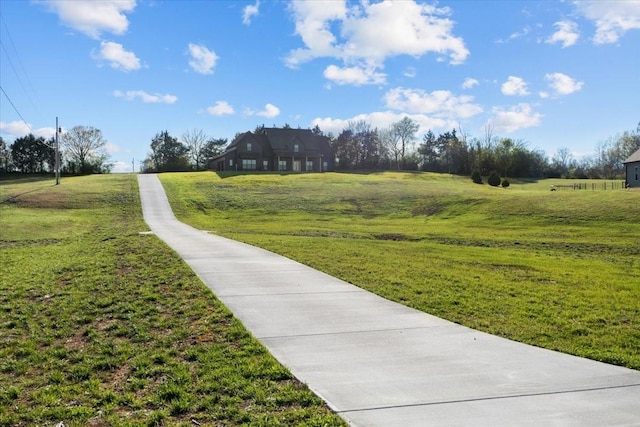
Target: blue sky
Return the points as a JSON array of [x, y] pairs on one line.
[[553, 74]]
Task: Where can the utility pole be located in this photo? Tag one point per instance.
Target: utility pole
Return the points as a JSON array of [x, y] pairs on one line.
[[57, 154], [133, 165]]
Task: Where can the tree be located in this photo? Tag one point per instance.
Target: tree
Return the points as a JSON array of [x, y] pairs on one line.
[[316, 130], [84, 148], [32, 155], [494, 179], [195, 140], [429, 152], [404, 132], [391, 146], [213, 148], [561, 161], [5, 156], [168, 154]]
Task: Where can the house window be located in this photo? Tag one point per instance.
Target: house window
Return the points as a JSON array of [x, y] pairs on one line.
[[282, 165], [248, 146], [296, 148], [249, 164], [636, 169], [230, 162], [265, 165], [325, 166], [309, 165]]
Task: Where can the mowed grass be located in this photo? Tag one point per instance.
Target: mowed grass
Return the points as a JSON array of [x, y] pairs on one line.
[[100, 325], [560, 269]]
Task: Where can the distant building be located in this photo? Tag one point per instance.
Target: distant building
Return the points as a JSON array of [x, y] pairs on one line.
[[632, 170], [275, 149]]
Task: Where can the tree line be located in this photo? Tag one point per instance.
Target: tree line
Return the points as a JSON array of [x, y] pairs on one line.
[[361, 147], [82, 151]]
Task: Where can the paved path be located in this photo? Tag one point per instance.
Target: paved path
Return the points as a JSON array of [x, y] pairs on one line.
[[378, 363]]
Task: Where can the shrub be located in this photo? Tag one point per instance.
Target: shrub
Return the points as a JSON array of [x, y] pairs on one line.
[[494, 179], [476, 177], [505, 183]]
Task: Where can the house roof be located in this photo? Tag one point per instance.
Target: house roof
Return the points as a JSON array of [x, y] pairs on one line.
[[284, 139], [635, 157]]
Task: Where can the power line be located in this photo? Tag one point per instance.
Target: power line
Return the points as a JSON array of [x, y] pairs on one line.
[[16, 110], [22, 118], [24, 71]]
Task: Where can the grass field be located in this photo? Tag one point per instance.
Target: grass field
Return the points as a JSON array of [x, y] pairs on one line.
[[557, 269], [102, 326]]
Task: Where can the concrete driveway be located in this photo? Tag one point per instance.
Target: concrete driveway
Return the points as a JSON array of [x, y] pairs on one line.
[[379, 363]]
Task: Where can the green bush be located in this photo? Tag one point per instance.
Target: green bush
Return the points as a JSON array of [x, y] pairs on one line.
[[494, 179], [505, 183], [476, 177]]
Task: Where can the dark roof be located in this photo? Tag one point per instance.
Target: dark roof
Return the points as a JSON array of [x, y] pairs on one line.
[[635, 157], [284, 139]]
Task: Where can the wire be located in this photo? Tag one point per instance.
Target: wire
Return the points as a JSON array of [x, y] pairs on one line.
[[16, 110], [20, 115], [24, 71]]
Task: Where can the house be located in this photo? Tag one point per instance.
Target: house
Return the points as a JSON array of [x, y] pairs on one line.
[[632, 170], [276, 149]]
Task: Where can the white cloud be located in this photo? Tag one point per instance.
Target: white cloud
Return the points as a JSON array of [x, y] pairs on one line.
[[249, 12], [469, 83], [441, 103], [111, 148], [369, 33], [410, 72], [220, 109], [563, 84], [145, 97], [269, 111], [514, 86], [567, 34], [356, 76], [202, 60], [122, 167], [117, 56], [19, 129], [612, 18], [516, 35], [382, 120], [516, 117], [93, 17]]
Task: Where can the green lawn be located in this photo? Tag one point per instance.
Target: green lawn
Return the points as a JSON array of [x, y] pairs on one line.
[[556, 269], [100, 325]]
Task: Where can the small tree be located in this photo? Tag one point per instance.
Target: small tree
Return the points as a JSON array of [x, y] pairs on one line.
[[505, 183], [494, 179], [195, 140], [213, 148], [476, 177], [168, 154]]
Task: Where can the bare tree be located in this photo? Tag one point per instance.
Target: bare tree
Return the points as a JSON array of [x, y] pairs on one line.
[[85, 150], [562, 160], [391, 144], [404, 132], [195, 140]]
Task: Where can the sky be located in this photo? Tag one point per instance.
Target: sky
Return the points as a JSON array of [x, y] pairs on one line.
[[552, 74]]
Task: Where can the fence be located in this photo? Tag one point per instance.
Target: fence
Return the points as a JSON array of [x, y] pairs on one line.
[[603, 185]]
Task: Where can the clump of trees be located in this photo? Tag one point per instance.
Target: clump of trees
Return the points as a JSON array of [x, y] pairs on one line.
[[82, 151], [194, 152]]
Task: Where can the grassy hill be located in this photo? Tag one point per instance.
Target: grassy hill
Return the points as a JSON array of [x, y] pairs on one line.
[[100, 325], [556, 269]]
